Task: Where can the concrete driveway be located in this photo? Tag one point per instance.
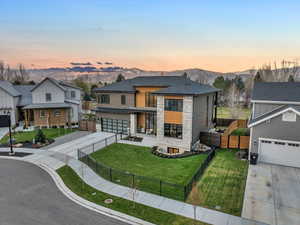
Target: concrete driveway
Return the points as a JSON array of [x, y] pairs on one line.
[[28, 196], [272, 194]]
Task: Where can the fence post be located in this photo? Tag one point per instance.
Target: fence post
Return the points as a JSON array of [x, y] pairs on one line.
[[132, 180], [160, 184], [116, 137], [105, 142], [110, 174]]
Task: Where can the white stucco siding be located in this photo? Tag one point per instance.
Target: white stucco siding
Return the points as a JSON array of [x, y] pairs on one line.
[[39, 94]]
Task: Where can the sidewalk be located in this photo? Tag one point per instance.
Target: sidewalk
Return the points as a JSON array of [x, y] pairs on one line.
[[56, 157], [3, 132]]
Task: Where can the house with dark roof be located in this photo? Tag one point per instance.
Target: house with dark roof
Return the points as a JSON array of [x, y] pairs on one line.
[[173, 108], [50, 103], [275, 123]]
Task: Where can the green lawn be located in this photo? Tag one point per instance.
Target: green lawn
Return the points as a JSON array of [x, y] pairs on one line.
[[140, 161], [162, 176], [50, 133], [241, 132], [223, 183], [224, 113], [156, 216]]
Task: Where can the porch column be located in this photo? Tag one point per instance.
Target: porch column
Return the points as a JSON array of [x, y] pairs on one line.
[[26, 119], [133, 123]]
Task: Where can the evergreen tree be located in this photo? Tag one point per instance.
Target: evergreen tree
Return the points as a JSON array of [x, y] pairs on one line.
[[291, 78], [258, 77], [120, 78], [219, 82], [185, 75]]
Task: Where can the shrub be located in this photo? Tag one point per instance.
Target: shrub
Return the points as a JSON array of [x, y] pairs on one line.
[[40, 137]]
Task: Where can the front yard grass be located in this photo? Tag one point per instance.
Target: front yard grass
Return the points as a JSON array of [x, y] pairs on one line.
[[156, 216], [224, 113], [223, 184], [140, 161], [50, 133]]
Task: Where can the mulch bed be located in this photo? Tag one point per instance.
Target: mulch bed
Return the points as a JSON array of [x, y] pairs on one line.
[[17, 154], [28, 144]]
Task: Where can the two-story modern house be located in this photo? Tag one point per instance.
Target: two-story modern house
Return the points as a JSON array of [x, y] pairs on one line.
[[47, 104], [275, 123], [54, 104], [173, 108]]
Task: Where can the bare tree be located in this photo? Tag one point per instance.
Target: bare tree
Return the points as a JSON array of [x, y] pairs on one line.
[[2, 70], [202, 79], [233, 97], [21, 75], [279, 74]]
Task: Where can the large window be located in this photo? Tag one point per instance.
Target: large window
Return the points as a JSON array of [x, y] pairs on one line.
[[150, 100], [48, 97], [123, 99], [173, 105], [173, 130], [104, 99]]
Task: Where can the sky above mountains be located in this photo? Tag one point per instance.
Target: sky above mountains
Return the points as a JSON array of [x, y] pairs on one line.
[[154, 35]]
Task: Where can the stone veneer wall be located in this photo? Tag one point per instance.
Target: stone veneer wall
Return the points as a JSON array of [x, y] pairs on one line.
[[183, 144]]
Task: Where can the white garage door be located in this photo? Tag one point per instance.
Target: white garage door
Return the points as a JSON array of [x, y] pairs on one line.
[[280, 152]]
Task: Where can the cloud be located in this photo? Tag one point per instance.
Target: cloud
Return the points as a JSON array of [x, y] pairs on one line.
[[80, 63], [108, 63], [100, 63]]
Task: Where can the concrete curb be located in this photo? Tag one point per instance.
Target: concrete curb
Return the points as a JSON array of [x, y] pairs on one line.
[[81, 201]]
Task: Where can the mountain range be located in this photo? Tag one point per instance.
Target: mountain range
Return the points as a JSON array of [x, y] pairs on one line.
[[109, 74]]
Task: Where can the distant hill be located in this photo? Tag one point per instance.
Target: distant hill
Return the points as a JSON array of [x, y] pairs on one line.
[[109, 74]]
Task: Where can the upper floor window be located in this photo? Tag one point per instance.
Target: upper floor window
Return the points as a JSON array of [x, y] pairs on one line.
[[48, 97], [104, 99], [123, 99], [73, 94], [173, 105], [173, 130], [150, 100]]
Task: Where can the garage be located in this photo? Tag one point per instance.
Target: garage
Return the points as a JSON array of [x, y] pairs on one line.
[[282, 152], [114, 125]]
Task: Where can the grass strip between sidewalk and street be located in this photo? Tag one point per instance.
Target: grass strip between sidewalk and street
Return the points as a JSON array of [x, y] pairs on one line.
[[153, 215]]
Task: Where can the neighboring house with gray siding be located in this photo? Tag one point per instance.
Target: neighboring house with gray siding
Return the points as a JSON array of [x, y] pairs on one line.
[[275, 123], [173, 108]]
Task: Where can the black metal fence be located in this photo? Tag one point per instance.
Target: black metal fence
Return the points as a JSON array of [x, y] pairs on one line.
[[151, 185], [199, 172]]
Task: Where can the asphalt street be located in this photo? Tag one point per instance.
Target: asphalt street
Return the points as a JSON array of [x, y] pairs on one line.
[[29, 196]]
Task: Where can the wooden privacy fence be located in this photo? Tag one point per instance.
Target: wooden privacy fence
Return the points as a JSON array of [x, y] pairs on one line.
[[240, 142], [224, 141], [235, 125], [222, 122], [87, 125]]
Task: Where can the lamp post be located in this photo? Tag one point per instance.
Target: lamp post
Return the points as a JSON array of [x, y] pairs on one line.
[[9, 127]]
